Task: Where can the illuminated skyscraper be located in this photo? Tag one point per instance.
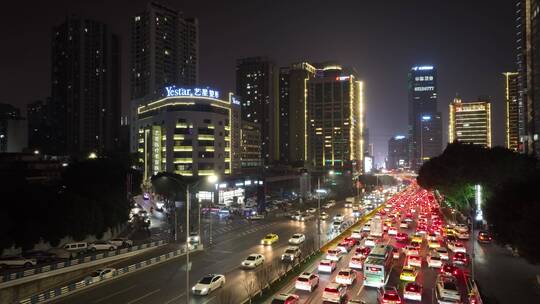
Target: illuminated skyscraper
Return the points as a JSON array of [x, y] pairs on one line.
[[398, 152], [511, 97], [256, 84], [425, 125], [470, 122], [336, 120]]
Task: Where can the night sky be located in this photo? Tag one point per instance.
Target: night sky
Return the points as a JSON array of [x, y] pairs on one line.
[[470, 42]]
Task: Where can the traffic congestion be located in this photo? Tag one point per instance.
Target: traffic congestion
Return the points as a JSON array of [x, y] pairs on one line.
[[405, 253]]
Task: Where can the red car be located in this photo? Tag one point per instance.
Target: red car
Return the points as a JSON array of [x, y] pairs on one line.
[[460, 258], [363, 251], [351, 241], [402, 237], [449, 269]]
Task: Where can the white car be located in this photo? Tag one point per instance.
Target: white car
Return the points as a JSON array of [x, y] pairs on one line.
[[291, 254], [404, 224], [443, 253], [324, 215], [208, 283], [348, 205], [102, 245], [253, 260], [356, 234], [457, 247], [334, 292], [311, 210], [326, 266], [369, 242], [334, 254], [461, 228], [307, 281], [306, 217], [297, 239], [463, 235], [392, 231], [356, 262], [434, 260], [367, 227], [411, 250], [101, 274], [122, 242], [346, 276], [339, 217], [16, 261]]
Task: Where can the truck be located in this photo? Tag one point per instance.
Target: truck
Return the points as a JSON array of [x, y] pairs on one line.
[[376, 227]]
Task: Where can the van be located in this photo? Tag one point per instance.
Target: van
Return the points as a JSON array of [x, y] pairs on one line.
[[78, 247]]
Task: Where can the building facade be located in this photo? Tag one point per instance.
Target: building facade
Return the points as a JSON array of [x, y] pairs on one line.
[[511, 97], [257, 86], [13, 129], [470, 122], [528, 68], [188, 131], [85, 88], [250, 147], [425, 125], [398, 153], [164, 50], [335, 120]]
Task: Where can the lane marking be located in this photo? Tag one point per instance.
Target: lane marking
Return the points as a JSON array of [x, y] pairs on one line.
[[183, 294], [208, 301], [143, 296], [113, 294]]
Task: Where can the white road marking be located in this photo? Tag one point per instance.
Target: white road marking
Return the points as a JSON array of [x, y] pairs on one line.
[[113, 294], [208, 301], [143, 296], [183, 294]]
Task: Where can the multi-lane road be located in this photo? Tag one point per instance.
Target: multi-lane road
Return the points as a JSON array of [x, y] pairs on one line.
[[232, 243]]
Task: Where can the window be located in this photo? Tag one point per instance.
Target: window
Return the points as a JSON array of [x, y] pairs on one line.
[[206, 154]]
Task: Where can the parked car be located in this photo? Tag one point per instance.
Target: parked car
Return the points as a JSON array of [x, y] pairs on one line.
[[77, 248], [102, 245], [16, 261]]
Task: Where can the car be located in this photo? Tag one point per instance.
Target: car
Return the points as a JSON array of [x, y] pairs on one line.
[[396, 252], [416, 244], [366, 227], [311, 210], [460, 258], [344, 246], [417, 237], [402, 237], [40, 256], [348, 205], [357, 262], [334, 254], [363, 251], [463, 235], [449, 269], [408, 273], [404, 224], [121, 242], [414, 260], [443, 253], [351, 240], [77, 247], [432, 237], [324, 215], [370, 241], [334, 292], [411, 250], [412, 291], [307, 281], [291, 254], [256, 216], [484, 237], [392, 231], [461, 228], [434, 260], [434, 244], [252, 261], [326, 266], [306, 217], [346, 276], [102, 245], [388, 295], [450, 239], [446, 289], [285, 298], [296, 215], [270, 239], [208, 283], [297, 239], [457, 247], [101, 274], [16, 261], [336, 226], [339, 217]]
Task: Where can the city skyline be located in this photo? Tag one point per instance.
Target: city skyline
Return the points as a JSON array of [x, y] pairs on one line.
[[217, 67]]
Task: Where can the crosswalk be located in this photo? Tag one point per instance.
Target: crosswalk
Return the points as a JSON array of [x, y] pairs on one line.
[[229, 228]]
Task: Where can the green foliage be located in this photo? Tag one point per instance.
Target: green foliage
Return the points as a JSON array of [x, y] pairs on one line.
[[89, 199]]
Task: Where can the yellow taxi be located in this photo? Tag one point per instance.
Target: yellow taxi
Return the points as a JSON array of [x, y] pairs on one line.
[[417, 237], [408, 273], [434, 244], [449, 230], [270, 239]]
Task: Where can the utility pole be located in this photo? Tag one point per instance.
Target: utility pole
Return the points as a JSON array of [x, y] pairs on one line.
[[319, 210], [187, 244]]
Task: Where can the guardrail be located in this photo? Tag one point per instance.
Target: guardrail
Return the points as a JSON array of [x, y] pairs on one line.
[[54, 294], [11, 277]]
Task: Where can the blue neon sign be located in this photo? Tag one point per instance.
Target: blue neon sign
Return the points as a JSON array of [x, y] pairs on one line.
[[173, 91], [426, 117]]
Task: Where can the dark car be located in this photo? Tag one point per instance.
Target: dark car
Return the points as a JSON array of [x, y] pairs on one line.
[[484, 237], [40, 256]]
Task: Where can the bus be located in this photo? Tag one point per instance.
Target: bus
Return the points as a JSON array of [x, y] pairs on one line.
[[378, 266]]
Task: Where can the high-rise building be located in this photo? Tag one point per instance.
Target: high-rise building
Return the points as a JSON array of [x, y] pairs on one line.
[[335, 119], [470, 122], [164, 50], [425, 125], [398, 153], [292, 104], [13, 129], [85, 87], [188, 131], [256, 84], [250, 147], [511, 96], [40, 123], [528, 68]]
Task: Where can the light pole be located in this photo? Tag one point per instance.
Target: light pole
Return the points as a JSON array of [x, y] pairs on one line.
[[213, 180], [187, 243], [319, 210]]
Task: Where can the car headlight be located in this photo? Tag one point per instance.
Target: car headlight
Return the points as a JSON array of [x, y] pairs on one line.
[[204, 290], [193, 288]]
